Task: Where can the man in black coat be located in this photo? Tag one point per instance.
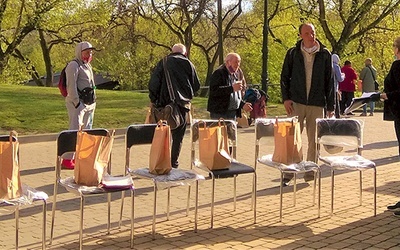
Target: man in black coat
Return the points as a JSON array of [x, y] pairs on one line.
[[225, 97], [184, 82]]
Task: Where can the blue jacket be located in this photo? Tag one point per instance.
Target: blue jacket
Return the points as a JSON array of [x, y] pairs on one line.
[[293, 79]]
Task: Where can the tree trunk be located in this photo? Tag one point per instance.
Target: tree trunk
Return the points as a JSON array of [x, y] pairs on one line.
[[46, 58]]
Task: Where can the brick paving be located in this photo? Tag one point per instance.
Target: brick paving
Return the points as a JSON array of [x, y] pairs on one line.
[[351, 227]]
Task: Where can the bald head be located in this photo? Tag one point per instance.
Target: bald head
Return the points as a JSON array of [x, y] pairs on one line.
[[179, 48], [232, 62]]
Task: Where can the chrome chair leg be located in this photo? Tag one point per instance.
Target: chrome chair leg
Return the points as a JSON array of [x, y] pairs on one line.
[[254, 196], [153, 227], [281, 198], [212, 201], [374, 191], [132, 215], [332, 188], [294, 189], [81, 223], [16, 214], [44, 225], [234, 193], [53, 211], [319, 192], [188, 201], [315, 184], [196, 206], [122, 208], [168, 201], [109, 213], [361, 188]]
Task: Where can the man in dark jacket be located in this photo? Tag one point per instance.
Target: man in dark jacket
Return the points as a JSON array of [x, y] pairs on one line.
[[225, 97], [185, 83], [307, 85]]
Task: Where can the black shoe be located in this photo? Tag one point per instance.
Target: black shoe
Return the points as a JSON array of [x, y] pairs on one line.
[[395, 206], [397, 213], [285, 182]]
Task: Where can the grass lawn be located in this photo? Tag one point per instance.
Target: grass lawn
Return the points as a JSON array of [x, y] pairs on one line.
[[38, 110]]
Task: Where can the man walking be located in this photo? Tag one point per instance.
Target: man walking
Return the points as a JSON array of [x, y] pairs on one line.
[[307, 86], [185, 83]]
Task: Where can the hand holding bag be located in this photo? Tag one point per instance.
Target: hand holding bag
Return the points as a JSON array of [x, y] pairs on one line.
[[213, 146], [10, 181], [92, 157], [288, 145], [160, 151]]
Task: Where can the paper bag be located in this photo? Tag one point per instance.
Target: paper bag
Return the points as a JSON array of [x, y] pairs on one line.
[[10, 181], [288, 145], [160, 151], [213, 146], [92, 157], [243, 122]]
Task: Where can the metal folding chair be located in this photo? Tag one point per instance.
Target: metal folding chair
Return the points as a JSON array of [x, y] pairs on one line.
[[142, 134], [28, 196], [342, 140], [235, 169], [66, 143], [265, 129]]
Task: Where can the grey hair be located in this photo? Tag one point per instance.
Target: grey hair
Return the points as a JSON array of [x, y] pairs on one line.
[[179, 48]]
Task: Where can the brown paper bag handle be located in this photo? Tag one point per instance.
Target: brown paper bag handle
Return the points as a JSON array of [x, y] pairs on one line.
[[12, 133]]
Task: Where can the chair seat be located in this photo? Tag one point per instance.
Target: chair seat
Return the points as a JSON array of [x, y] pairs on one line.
[[28, 196], [234, 169], [354, 162], [301, 167], [176, 177], [71, 186]]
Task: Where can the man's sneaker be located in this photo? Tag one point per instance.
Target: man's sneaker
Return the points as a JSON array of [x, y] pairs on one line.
[[363, 114], [371, 114], [397, 213], [395, 206]]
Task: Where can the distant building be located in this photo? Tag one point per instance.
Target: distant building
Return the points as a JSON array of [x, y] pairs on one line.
[[101, 81]]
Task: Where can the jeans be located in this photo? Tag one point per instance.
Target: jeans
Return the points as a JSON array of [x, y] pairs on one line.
[[371, 107]]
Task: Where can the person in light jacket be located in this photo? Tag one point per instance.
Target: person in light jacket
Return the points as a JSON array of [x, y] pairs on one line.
[[81, 98]]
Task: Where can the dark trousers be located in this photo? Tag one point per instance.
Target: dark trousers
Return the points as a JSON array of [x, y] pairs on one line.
[[177, 138], [347, 97], [397, 129]]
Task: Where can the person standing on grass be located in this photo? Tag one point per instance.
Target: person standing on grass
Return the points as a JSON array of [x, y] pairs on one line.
[[307, 87], [81, 98]]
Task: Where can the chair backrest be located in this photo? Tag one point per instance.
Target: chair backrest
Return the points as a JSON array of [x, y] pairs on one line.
[[264, 128], [138, 134], [194, 134], [66, 143], [339, 133], [7, 138]]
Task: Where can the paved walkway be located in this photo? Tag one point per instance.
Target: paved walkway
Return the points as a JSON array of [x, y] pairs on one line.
[[351, 227]]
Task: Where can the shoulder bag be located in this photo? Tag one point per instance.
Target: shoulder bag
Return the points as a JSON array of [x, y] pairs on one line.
[[376, 84], [171, 112]]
